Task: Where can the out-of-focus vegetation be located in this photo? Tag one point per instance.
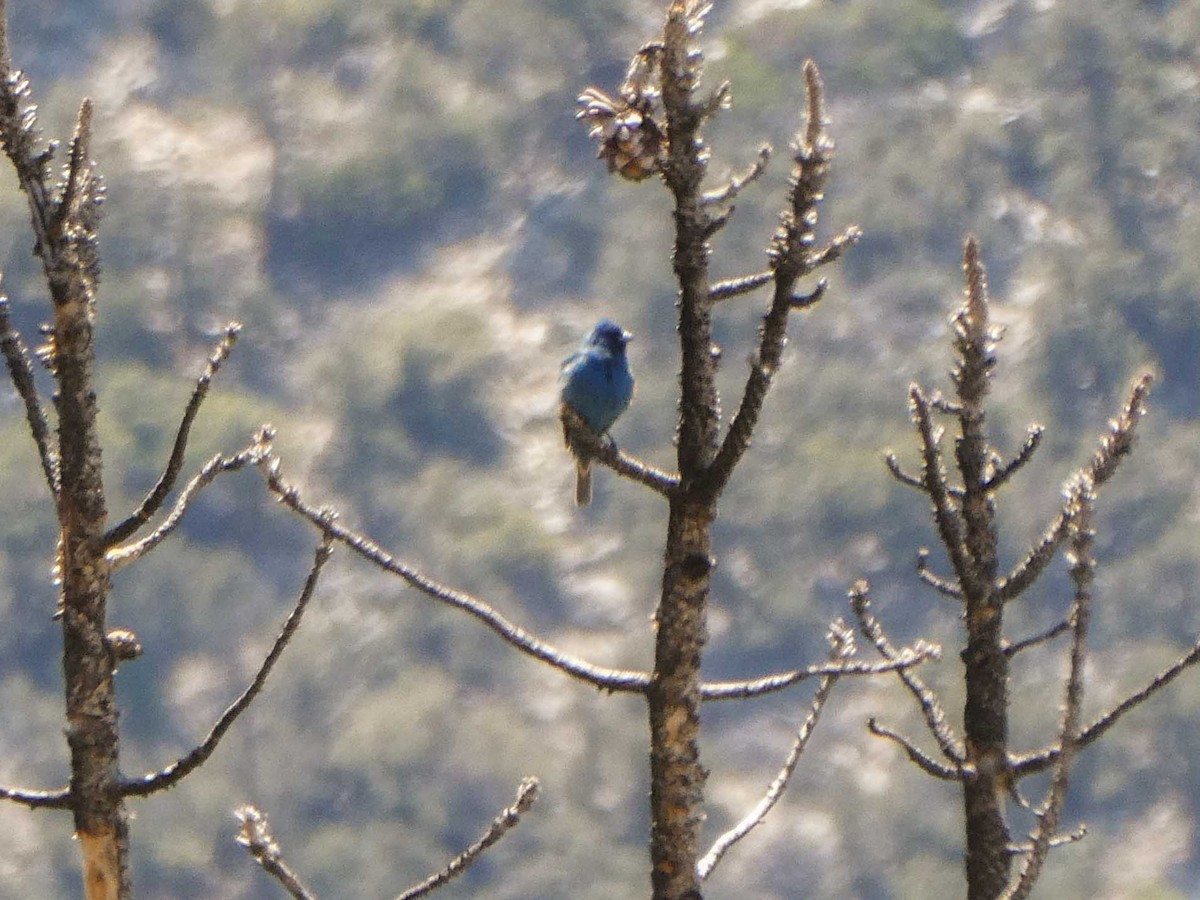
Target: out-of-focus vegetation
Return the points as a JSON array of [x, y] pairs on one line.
[[393, 196]]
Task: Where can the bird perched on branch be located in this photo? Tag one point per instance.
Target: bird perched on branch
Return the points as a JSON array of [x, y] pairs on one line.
[[597, 386]]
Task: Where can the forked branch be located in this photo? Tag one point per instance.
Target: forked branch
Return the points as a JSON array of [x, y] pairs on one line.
[[842, 648], [1080, 504], [931, 706], [154, 500], [1114, 446], [119, 557]]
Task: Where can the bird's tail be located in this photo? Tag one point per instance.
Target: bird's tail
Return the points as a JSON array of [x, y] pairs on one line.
[[583, 482]]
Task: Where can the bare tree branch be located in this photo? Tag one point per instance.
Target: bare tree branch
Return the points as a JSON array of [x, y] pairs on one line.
[[1059, 840], [946, 514], [119, 557], [154, 500], [20, 369], [1114, 446], [905, 658], [1027, 764], [19, 136], [1083, 572], [157, 781], [842, 641], [59, 799], [606, 679], [501, 825], [893, 466], [255, 836], [1033, 439], [583, 440], [735, 287], [923, 760], [729, 192], [1011, 650], [935, 716], [939, 583], [791, 259]]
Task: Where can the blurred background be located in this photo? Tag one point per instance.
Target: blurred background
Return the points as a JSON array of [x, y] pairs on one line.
[[394, 198]]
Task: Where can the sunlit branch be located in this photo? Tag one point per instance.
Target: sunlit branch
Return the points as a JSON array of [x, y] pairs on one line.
[[1032, 763], [735, 287], [923, 760], [842, 641], [1080, 504], [119, 557], [1033, 438], [1059, 840], [584, 440], [1114, 446], [178, 770], [60, 799], [740, 690], [939, 583], [730, 191], [606, 679], [154, 500], [893, 466], [501, 825], [931, 707], [946, 514], [255, 836]]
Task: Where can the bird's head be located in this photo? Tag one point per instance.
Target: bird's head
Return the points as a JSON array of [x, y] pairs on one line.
[[609, 335]]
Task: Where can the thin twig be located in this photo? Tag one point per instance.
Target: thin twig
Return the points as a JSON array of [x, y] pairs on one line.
[[834, 250], [119, 557], [1059, 840], [1083, 572], [1032, 763], [893, 466], [606, 679], [931, 707], [1011, 650], [1033, 439], [946, 514], [154, 500], [19, 136], [59, 799], [842, 640], [812, 298], [1116, 444], [923, 760], [735, 287], [791, 259], [501, 825], [174, 773], [741, 690], [74, 192], [939, 583], [255, 836], [20, 369], [730, 191]]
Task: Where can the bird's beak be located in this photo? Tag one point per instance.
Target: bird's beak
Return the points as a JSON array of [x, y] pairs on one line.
[[626, 336]]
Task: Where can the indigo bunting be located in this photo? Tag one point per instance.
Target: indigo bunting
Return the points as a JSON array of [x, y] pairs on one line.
[[597, 385]]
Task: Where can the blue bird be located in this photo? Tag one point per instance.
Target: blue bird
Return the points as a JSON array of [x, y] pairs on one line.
[[597, 385]]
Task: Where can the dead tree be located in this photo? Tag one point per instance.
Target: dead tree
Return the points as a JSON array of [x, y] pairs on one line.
[[963, 507], [653, 129]]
